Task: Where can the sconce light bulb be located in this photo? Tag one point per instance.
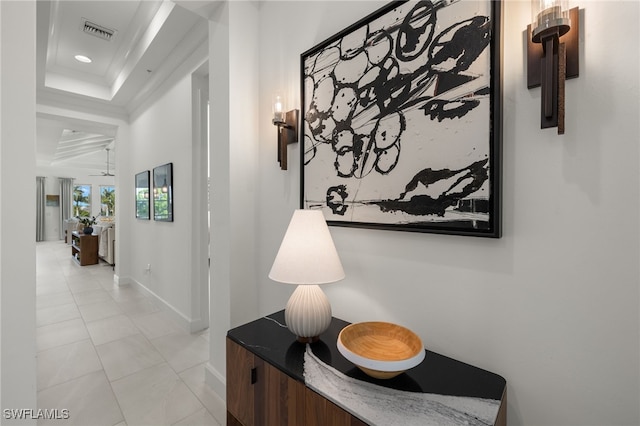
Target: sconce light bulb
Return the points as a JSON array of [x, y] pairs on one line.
[[278, 114], [549, 16]]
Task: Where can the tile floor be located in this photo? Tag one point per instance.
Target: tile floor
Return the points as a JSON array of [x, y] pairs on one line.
[[110, 355]]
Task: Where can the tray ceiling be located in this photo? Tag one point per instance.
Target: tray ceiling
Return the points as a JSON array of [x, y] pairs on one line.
[[149, 40]]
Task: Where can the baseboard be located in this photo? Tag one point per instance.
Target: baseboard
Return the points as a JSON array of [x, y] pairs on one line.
[[120, 281], [215, 381], [189, 325], [197, 325]]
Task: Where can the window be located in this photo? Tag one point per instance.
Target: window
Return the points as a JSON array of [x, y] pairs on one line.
[[107, 200], [82, 200]]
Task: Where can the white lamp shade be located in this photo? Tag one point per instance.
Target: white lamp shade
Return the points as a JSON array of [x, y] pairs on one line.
[[307, 254]]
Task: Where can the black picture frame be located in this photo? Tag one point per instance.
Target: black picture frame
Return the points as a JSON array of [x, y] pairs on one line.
[[402, 120], [163, 193], [142, 193]]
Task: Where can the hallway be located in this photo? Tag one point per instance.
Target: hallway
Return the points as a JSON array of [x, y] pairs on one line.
[[109, 355]]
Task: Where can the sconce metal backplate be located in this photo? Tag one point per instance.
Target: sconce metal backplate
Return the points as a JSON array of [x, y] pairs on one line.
[[570, 40], [287, 134]]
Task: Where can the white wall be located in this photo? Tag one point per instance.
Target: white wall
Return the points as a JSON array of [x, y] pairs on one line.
[[553, 305], [160, 133], [234, 141], [17, 208]]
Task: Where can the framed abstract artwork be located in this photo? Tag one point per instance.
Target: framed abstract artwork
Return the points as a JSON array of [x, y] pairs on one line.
[[142, 196], [163, 193], [402, 120]]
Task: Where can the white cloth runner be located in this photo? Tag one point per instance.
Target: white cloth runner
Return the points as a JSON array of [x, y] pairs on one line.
[[378, 405]]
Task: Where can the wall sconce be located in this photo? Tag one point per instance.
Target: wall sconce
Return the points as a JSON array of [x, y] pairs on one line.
[[287, 124], [552, 53]]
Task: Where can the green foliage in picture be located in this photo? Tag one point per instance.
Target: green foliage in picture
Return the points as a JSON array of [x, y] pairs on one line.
[[82, 200], [163, 193], [142, 196], [107, 201]]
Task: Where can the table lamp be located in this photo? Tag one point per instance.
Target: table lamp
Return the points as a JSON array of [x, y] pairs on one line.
[[307, 258]]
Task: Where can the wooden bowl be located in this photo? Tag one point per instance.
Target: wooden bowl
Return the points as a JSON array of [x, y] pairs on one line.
[[381, 349]]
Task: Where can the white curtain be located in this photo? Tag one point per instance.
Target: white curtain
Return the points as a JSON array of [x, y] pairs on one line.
[[40, 202], [66, 202]]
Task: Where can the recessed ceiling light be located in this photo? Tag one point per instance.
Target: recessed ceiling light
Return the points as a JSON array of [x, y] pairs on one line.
[[83, 59]]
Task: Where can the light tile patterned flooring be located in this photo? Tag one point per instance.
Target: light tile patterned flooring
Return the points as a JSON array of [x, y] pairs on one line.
[[110, 355]]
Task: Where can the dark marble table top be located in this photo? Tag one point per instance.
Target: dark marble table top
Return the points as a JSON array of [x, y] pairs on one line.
[[269, 339]]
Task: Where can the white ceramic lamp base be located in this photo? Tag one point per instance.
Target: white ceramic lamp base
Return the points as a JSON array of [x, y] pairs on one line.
[[308, 313]]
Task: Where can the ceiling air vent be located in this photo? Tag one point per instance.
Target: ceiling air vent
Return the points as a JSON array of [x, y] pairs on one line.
[[97, 30]]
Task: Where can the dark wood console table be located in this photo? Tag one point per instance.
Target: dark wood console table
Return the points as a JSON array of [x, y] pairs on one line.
[[84, 248], [266, 382]]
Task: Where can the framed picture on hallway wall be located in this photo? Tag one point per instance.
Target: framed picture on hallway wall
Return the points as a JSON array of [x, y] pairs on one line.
[[163, 193], [142, 196], [402, 120]]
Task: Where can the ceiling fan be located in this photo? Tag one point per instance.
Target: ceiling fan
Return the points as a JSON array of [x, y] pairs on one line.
[[107, 173]]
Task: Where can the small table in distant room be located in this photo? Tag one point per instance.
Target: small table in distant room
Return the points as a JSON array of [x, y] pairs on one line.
[[84, 248]]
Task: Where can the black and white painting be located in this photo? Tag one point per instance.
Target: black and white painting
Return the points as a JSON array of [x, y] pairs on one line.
[[401, 120]]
